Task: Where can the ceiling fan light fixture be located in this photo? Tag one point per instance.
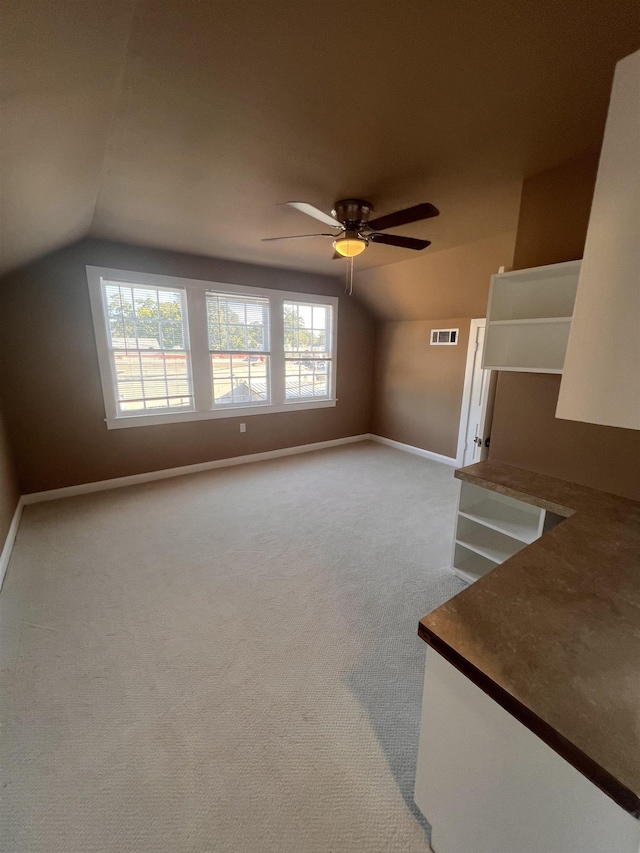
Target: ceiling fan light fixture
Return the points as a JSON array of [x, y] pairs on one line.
[[350, 244]]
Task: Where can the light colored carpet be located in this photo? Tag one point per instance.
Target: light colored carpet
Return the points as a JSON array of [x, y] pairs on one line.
[[226, 661]]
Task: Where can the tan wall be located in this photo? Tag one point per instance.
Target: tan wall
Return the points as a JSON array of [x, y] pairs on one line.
[[552, 228], [9, 492], [48, 353], [419, 386]]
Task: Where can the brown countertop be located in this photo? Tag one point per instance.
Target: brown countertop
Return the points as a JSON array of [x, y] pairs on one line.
[[553, 634]]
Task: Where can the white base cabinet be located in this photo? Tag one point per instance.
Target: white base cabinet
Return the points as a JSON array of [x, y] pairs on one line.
[[486, 784], [491, 527]]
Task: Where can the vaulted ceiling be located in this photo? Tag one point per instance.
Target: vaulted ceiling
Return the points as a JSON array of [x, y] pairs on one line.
[[185, 123]]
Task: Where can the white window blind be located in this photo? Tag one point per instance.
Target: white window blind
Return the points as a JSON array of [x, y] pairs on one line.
[[148, 341], [308, 337], [239, 348]]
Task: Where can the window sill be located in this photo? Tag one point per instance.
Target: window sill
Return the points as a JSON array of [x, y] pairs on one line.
[[125, 421]]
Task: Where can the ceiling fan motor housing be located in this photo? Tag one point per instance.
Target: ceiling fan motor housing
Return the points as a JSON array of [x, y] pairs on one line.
[[352, 212]]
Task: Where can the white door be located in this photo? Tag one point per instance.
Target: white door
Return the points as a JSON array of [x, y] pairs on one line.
[[477, 405]]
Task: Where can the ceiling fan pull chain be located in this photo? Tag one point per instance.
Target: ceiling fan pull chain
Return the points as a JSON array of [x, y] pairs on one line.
[[349, 286]]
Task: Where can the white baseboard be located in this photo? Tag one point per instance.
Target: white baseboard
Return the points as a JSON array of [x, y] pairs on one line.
[[5, 556], [417, 451], [135, 479], [149, 476]]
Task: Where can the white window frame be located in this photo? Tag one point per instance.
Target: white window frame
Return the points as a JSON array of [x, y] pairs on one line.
[[330, 359], [200, 357], [112, 351], [231, 353]]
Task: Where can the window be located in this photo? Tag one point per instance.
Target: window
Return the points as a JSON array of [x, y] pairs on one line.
[[239, 347], [173, 349], [307, 333], [149, 347]]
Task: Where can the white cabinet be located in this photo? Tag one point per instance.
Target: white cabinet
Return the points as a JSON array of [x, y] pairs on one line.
[[529, 318], [486, 784], [491, 527], [601, 381]]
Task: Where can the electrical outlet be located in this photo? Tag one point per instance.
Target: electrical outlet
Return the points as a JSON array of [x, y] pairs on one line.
[[243, 427]]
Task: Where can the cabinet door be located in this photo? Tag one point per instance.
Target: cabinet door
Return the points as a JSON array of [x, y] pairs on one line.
[[601, 379], [486, 783]]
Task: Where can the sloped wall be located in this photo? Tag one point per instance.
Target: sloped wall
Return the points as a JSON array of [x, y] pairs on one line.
[[447, 283]]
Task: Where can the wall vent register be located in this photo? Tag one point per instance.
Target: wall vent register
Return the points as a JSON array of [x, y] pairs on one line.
[[444, 337]]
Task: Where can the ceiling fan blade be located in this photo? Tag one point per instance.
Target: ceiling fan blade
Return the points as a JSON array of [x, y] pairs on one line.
[[296, 237], [404, 217], [403, 242], [310, 210], [336, 256]]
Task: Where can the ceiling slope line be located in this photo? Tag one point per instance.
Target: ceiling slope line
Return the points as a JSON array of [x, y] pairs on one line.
[[117, 100]]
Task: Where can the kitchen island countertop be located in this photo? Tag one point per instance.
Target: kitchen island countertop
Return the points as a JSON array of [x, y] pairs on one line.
[[553, 634]]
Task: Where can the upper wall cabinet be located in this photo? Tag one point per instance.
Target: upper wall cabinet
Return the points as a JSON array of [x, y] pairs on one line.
[[601, 381], [529, 318]]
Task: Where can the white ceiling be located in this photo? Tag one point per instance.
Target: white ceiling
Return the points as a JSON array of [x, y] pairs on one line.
[[185, 123]]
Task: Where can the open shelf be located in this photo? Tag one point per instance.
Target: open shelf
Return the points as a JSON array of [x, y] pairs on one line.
[[518, 523], [529, 318], [538, 346], [471, 566], [492, 527], [486, 542], [539, 292], [529, 322], [509, 367]]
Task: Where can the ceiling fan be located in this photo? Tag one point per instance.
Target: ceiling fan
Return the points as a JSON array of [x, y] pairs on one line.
[[353, 230]]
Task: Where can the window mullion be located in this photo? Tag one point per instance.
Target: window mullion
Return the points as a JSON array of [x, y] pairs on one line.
[[199, 340], [277, 350]]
